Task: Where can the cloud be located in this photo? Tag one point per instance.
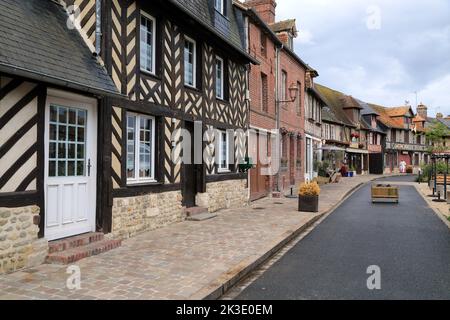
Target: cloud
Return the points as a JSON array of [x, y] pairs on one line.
[[305, 37], [410, 51]]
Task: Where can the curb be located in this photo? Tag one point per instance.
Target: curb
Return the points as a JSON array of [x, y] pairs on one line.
[[220, 286], [438, 212]]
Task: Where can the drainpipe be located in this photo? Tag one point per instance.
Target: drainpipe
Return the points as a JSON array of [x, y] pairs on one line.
[[98, 27]]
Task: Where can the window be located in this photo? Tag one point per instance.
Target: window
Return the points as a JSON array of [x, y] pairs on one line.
[[67, 142], [224, 163], [140, 148], [264, 93], [284, 85], [333, 132], [263, 44], [219, 6], [147, 43], [219, 78], [298, 100], [190, 65]]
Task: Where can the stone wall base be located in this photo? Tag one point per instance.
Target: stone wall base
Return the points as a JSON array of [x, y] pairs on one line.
[[138, 214], [19, 244], [224, 195]]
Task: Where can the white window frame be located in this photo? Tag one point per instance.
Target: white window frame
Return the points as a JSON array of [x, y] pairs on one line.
[[137, 137], [221, 7], [194, 63], [222, 75], [221, 169], [284, 80], [153, 20]]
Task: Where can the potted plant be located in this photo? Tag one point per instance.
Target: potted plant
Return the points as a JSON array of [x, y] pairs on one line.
[[308, 197]]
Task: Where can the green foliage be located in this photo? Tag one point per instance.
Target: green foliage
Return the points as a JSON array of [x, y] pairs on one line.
[[323, 168], [427, 170], [436, 134]]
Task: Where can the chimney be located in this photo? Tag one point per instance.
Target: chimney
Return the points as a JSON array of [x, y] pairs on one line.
[[422, 111], [265, 9], [439, 115]]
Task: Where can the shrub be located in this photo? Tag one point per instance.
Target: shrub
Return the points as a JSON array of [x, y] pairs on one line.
[[309, 189], [323, 169]]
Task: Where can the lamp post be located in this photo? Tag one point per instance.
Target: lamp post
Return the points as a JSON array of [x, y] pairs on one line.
[[293, 93]]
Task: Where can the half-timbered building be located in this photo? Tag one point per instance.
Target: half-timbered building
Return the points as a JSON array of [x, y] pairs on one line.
[[96, 107]]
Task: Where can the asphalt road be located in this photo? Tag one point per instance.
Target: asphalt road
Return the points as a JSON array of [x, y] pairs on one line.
[[408, 242]]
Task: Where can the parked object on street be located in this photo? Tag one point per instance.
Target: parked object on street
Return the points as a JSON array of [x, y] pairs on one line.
[[384, 193], [308, 197]]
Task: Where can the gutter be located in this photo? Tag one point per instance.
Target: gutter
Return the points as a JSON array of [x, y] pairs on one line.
[[33, 75]]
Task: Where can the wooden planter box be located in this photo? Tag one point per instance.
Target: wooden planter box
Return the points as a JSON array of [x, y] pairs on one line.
[[385, 193], [308, 203]]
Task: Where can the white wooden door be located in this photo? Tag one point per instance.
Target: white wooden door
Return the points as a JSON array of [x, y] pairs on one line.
[[70, 165]]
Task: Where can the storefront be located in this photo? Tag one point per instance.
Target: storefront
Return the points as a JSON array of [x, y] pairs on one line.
[[357, 160], [313, 155]]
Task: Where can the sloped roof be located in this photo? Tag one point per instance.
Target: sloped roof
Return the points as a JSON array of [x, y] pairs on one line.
[[385, 118], [348, 102], [204, 13], [418, 118], [334, 101], [285, 25], [399, 111], [366, 109], [36, 43]]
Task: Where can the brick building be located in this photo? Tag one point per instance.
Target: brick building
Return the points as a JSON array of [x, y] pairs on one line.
[[282, 107]]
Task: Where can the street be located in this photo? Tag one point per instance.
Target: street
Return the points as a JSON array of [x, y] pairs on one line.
[[408, 242]]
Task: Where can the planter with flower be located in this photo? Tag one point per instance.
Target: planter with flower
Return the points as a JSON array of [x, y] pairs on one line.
[[308, 197]]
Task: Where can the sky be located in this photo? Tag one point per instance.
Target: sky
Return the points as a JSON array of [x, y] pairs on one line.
[[379, 51]]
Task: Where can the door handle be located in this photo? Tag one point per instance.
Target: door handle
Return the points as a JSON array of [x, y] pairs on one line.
[[89, 167]]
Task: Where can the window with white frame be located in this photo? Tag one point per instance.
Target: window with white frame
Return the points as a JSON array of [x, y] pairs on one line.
[[219, 6], [140, 148], [333, 132], [284, 85], [147, 42], [190, 63], [219, 78], [224, 163]]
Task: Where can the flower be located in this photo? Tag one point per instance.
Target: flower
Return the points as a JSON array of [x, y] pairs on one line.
[[309, 189]]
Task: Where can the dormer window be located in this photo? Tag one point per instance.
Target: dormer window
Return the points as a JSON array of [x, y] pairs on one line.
[[219, 5]]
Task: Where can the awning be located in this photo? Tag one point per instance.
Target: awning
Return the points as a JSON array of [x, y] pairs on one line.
[[358, 151], [331, 148]]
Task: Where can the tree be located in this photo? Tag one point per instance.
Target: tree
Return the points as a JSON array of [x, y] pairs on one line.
[[437, 134]]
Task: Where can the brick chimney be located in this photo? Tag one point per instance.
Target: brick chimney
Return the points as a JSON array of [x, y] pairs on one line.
[[439, 115], [265, 9], [422, 111]]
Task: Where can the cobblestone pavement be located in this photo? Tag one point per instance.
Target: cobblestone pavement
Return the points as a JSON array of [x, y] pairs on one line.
[[180, 261]]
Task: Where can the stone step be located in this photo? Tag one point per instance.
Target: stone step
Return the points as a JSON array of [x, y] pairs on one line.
[[78, 253], [201, 216], [74, 242], [195, 210]]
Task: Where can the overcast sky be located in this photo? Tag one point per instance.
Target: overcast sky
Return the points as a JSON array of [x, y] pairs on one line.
[[380, 51]]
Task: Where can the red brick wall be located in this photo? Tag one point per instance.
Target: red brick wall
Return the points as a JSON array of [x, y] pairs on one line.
[[290, 119], [258, 118]]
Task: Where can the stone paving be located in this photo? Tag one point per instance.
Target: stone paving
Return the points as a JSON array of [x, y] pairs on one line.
[[186, 260]]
